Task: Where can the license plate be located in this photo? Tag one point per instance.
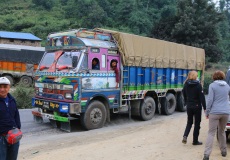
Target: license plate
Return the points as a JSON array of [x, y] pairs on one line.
[[45, 104], [38, 103], [49, 116]]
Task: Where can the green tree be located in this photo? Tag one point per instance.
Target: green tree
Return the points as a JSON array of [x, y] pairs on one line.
[[196, 24], [47, 4], [224, 27], [88, 13]]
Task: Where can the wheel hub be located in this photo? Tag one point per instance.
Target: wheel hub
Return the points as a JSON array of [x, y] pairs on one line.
[[96, 115], [148, 109]]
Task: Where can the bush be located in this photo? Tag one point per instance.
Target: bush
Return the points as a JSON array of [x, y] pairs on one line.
[[23, 95], [207, 80]]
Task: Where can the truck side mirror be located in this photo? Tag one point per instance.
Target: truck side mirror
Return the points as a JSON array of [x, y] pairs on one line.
[[74, 61]]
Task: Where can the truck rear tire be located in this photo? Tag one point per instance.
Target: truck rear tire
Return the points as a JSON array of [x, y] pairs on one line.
[[10, 78], [227, 134], [147, 109], [180, 102], [95, 116], [27, 81], [168, 104]]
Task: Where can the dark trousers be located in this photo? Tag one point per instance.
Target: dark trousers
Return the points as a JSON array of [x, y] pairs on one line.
[[8, 152], [194, 113]]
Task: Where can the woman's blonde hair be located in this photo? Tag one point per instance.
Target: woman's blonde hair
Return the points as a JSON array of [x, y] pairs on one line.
[[192, 75]]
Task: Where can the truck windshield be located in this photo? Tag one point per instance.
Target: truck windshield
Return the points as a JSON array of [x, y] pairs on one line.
[[65, 61], [47, 60]]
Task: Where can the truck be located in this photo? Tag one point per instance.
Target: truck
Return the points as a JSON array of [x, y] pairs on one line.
[[19, 62], [147, 78]]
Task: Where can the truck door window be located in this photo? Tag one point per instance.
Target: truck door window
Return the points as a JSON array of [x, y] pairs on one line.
[[95, 64]]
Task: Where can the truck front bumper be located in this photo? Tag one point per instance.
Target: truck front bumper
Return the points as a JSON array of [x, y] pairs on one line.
[[52, 116], [62, 107]]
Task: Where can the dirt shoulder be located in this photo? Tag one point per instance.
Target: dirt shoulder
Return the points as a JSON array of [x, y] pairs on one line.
[[158, 139]]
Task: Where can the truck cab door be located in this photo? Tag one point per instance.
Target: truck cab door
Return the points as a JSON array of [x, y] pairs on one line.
[[112, 79]]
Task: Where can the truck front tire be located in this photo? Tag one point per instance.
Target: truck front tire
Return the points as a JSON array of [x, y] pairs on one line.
[[95, 116]]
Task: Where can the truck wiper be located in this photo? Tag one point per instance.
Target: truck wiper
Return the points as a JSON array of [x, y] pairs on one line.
[[63, 67], [43, 67]]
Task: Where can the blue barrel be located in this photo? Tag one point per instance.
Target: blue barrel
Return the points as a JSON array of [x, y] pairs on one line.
[[139, 78], [153, 78], [180, 78], [146, 78], [185, 74], [160, 78], [167, 77], [132, 78], [173, 78]]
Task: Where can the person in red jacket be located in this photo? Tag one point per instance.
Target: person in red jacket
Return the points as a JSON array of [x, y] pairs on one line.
[[113, 66], [9, 118]]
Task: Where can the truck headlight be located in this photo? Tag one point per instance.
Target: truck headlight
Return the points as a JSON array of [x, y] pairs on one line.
[[68, 96], [74, 108], [64, 108]]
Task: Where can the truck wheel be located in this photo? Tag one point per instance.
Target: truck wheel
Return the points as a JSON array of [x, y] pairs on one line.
[[10, 78], [27, 81], [168, 104], [180, 102], [95, 116], [227, 134], [147, 109]]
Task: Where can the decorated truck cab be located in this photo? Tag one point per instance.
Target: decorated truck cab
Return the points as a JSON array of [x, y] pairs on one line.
[[88, 74]]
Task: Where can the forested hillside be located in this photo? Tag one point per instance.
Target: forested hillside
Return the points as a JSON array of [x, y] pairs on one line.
[[198, 23]]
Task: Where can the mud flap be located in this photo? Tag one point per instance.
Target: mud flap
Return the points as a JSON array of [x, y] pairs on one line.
[[159, 106], [38, 119], [54, 123], [66, 126]]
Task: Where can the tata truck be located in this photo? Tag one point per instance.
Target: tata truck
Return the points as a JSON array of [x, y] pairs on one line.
[[151, 74], [18, 62]]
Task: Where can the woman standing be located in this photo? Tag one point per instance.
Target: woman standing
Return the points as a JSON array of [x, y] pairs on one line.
[[217, 112], [194, 99]]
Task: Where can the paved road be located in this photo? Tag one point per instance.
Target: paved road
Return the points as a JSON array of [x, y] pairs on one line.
[[29, 127]]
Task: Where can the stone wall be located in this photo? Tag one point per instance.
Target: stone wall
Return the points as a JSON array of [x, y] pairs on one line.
[[20, 42]]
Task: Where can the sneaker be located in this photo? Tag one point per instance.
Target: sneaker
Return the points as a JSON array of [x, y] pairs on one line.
[[224, 154], [197, 143], [206, 157], [184, 140]]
